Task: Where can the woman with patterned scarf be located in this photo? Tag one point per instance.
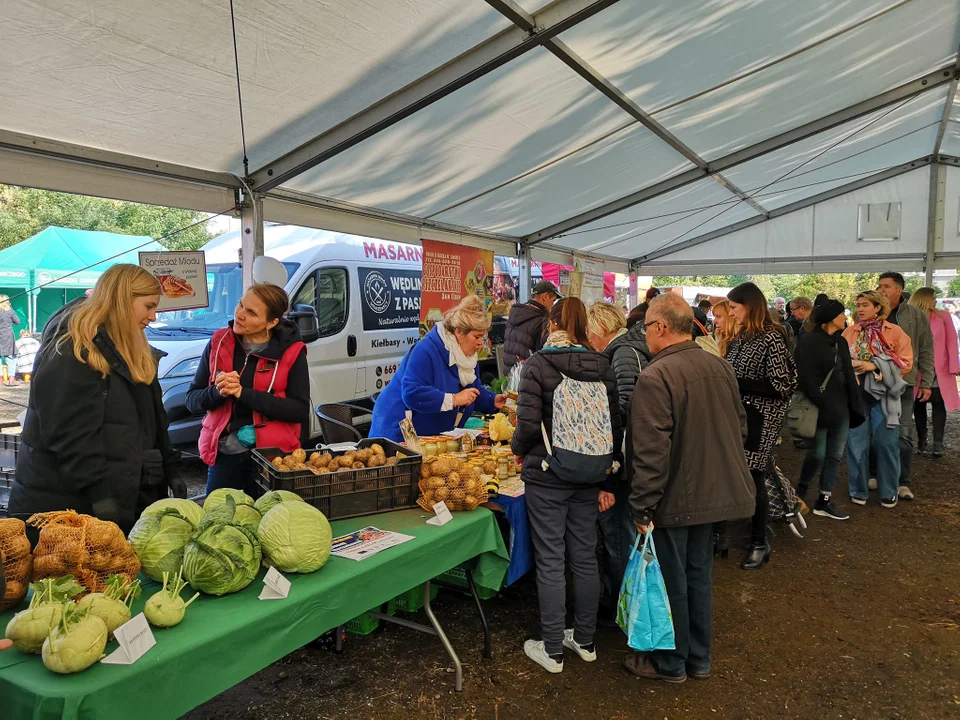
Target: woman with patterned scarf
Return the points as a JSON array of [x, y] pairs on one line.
[[881, 351]]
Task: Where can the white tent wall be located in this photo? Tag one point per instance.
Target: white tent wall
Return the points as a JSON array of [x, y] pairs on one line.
[[820, 238], [948, 256]]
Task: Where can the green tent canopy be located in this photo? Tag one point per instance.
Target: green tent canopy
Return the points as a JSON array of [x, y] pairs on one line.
[[65, 263]]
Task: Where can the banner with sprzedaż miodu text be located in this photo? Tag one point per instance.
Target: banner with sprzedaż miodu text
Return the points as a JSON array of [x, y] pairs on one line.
[[451, 272]]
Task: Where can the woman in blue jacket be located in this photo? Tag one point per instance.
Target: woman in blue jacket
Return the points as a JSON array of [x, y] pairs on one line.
[[438, 382]]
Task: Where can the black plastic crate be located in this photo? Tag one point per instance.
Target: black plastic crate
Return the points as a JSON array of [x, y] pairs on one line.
[[6, 483], [9, 450], [348, 493]]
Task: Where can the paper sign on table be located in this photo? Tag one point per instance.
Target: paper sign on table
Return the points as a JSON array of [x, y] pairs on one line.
[[366, 542], [135, 638], [275, 585], [442, 515]]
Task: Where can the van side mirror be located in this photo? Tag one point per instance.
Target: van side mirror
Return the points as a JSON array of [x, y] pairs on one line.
[[305, 316]]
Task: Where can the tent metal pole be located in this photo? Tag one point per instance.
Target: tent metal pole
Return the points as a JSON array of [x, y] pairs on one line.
[[938, 182], [251, 239], [525, 276], [921, 85]]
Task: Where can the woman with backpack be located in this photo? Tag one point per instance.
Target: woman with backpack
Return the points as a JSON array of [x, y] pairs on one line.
[[767, 378], [568, 426]]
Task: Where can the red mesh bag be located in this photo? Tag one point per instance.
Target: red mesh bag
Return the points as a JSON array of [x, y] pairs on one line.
[[80, 545], [16, 561]]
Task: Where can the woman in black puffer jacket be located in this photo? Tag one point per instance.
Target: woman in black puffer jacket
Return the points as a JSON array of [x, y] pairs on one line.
[[95, 436], [563, 515], [823, 353], [629, 354]]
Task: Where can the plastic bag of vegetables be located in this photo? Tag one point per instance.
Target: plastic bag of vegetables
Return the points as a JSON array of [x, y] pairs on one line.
[[219, 497], [274, 497], [166, 608], [28, 629], [159, 539], [187, 508], [76, 642], [16, 562], [295, 537], [113, 604], [222, 556]]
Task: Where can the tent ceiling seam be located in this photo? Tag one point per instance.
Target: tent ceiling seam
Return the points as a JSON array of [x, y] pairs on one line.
[[478, 61], [787, 209], [910, 89]]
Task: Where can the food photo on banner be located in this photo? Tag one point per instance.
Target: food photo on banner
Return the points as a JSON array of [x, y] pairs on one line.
[[450, 273]]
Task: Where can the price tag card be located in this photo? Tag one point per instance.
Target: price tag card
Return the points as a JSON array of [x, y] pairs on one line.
[[443, 515], [275, 585], [135, 638]]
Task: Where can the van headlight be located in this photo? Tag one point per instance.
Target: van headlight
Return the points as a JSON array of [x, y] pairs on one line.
[[184, 368]]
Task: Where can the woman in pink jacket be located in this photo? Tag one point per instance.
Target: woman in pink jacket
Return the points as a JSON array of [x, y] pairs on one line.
[[945, 355]]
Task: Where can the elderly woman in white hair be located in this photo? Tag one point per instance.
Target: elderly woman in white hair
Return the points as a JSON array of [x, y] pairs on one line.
[[438, 382]]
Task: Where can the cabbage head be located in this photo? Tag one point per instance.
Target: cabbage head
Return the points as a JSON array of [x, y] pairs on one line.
[[188, 508], [266, 501], [295, 537], [222, 556], [159, 538], [249, 517], [219, 497]]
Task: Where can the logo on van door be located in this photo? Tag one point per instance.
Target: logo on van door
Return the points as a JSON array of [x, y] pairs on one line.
[[376, 292], [390, 298]]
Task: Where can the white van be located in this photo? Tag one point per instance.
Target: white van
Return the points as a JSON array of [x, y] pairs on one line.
[[366, 294]]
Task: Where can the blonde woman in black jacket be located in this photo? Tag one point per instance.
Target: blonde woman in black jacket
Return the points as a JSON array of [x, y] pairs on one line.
[[563, 515]]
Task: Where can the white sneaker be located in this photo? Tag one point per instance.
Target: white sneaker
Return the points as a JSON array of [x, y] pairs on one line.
[[889, 503], [585, 655], [905, 493], [872, 483], [535, 650], [858, 501]]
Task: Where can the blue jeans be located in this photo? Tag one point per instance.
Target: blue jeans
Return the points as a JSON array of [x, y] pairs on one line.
[[618, 532], [233, 471], [11, 362], [885, 443], [824, 457], [686, 561]]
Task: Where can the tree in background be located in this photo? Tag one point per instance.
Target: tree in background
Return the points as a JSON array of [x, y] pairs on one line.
[[954, 289], [26, 211], [842, 286]]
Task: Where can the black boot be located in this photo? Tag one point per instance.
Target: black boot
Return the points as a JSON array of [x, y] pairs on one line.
[[937, 450], [757, 556], [922, 442]]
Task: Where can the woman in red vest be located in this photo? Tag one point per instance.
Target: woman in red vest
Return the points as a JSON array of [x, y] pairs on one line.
[[252, 387]]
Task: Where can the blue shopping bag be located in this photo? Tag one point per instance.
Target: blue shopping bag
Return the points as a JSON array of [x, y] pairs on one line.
[[643, 611]]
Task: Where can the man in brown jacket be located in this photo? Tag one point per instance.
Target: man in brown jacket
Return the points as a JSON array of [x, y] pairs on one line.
[[687, 471]]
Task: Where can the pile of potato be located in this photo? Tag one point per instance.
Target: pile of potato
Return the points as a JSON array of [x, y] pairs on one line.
[[323, 463], [452, 480]]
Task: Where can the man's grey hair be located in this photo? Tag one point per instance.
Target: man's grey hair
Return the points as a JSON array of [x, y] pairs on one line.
[[673, 311]]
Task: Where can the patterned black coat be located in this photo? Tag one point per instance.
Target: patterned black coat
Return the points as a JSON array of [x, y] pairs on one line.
[[767, 377]]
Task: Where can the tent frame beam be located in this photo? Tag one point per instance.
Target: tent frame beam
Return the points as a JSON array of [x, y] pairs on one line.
[[94, 157], [786, 260], [935, 203], [482, 59], [786, 209], [913, 88], [581, 67]]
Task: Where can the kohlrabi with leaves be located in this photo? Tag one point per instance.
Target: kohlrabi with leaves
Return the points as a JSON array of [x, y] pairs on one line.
[[29, 628], [76, 642], [114, 603], [166, 608]]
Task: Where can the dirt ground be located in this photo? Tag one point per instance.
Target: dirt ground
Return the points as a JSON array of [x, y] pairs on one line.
[[861, 619]]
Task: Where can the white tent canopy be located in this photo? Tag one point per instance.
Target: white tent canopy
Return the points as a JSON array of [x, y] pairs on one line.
[[673, 137]]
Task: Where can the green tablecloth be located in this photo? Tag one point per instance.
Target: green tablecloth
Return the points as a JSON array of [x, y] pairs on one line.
[[225, 640]]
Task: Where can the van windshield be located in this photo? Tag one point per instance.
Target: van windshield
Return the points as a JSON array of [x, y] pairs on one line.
[[224, 287]]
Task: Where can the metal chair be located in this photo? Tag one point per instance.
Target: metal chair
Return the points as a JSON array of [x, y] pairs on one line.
[[337, 422]]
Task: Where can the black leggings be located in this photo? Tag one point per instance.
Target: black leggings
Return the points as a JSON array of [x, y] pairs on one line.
[[758, 528], [939, 417]]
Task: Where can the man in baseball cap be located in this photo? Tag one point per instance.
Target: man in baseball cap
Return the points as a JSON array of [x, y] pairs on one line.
[[527, 324]]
